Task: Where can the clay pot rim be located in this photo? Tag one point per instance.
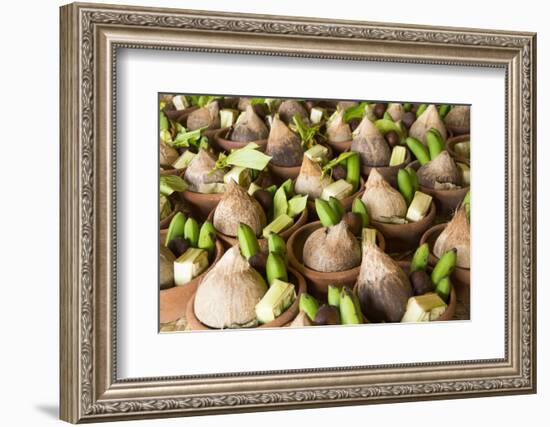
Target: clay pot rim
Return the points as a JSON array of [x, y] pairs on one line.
[[418, 224], [450, 147], [450, 191], [435, 231], [314, 274], [283, 319], [341, 146], [285, 234], [262, 143], [166, 293], [177, 206]]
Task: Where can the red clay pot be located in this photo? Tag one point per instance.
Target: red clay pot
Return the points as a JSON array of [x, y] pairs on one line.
[[284, 319], [450, 145], [173, 301], [318, 280], [224, 144], [201, 203], [388, 172]]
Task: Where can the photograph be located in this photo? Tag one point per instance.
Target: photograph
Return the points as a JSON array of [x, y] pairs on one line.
[[286, 212]]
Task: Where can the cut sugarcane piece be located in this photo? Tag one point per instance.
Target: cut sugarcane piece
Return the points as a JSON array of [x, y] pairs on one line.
[[211, 188], [228, 117], [189, 265], [339, 189], [316, 115], [318, 153], [279, 224], [463, 149], [276, 300], [419, 207], [180, 102], [424, 308], [368, 235], [464, 169], [398, 155], [238, 174], [184, 160], [253, 188]]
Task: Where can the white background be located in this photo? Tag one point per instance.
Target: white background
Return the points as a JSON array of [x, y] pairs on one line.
[[29, 216], [140, 345]]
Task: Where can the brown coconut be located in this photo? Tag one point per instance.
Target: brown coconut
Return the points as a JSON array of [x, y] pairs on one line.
[[250, 128], [200, 170], [427, 120], [309, 180], [207, 116], [284, 146], [337, 129], [370, 144], [382, 286], [228, 293], [456, 235], [289, 108], [301, 320], [458, 118], [166, 267], [381, 199], [235, 207], [396, 111], [167, 154], [440, 173], [330, 249]]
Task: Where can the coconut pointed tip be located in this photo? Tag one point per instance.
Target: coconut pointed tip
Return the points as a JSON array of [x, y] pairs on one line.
[[310, 167], [375, 177]]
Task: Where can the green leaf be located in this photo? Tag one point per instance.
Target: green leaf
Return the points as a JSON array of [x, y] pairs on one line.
[[163, 122], [327, 169], [171, 183], [296, 205], [248, 158], [280, 203], [356, 111], [255, 101], [307, 133]]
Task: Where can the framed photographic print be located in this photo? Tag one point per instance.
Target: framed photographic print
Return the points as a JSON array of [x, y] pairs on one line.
[[268, 212]]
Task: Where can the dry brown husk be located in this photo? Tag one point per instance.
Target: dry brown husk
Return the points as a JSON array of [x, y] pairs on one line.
[[167, 154], [236, 207], [199, 170], [458, 117], [395, 110], [250, 128], [301, 320], [456, 235], [344, 105], [289, 108], [428, 119], [370, 144], [228, 294], [381, 199], [382, 286], [309, 180], [166, 267], [440, 173], [207, 116], [337, 129], [284, 147], [330, 249]]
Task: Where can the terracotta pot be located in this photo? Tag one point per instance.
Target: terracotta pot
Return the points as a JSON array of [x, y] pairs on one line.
[[454, 131], [318, 280], [179, 116], [405, 237], [346, 201], [450, 145], [290, 313], [339, 147], [229, 241], [201, 203], [282, 173], [211, 133], [172, 171], [388, 172], [460, 276], [224, 144], [177, 206], [451, 306], [446, 201], [173, 301]]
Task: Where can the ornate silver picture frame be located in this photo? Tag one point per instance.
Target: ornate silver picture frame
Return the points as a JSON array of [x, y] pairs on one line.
[[90, 37]]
